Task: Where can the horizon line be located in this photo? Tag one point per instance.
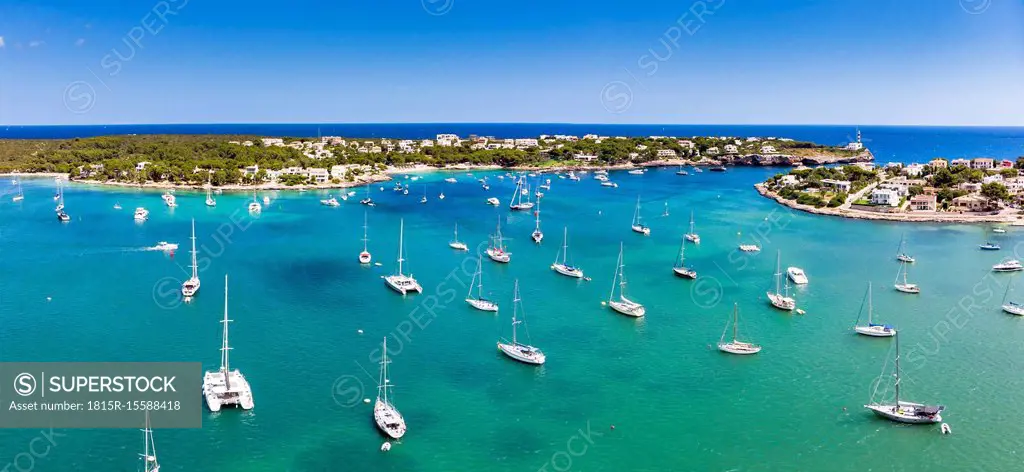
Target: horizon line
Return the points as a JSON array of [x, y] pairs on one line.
[[348, 123]]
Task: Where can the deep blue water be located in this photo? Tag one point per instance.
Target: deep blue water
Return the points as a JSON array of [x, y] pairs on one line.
[[889, 143]]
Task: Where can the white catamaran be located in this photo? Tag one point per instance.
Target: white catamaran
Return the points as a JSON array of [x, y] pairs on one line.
[[736, 346], [780, 299], [638, 225], [364, 256], [398, 281], [905, 287], [149, 461], [692, 236], [387, 417], [191, 286], [679, 268], [871, 328], [563, 266], [622, 304], [226, 387], [479, 302], [524, 353], [902, 411], [497, 251]]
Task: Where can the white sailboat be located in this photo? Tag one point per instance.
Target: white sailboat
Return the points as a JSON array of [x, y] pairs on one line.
[[385, 415], [398, 281], [692, 236], [563, 267], [736, 346], [254, 206], [62, 215], [537, 235], [1011, 307], [905, 287], [226, 387], [369, 201], [479, 302], [149, 461], [901, 411], [871, 328], [524, 353], [780, 299], [191, 286], [638, 225], [455, 243], [679, 268], [20, 195], [496, 251], [517, 203], [623, 305], [364, 256], [210, 202], [901, 254]]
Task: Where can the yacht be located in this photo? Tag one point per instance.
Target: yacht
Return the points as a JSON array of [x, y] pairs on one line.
[[254, 206], [989, 246], [750, 248], [398, 281], [636, 172], [871, 328], [524, 353], [165, 246], [62, 215], [210, 202], [638, 225], [117, 206], [479, 302], [364, 256], [717, 169], [497, 251], [901, 254], [561, 266], [796, 275], [455, 243], [517, 203], [537, 235], [169, 199], [736, 346], [149, 461], [493, 201], [622, 304], [450, 180], [20, 195], [692, 236], [601, 177], [1008, 265], [905, 286], [226, 387], [369, 201], [191, 286], [610, 184], [903, 411], [141, 214], [331, 202], [778, 298], [387, 417], [998, 230], [1011, 307], [679, 268]]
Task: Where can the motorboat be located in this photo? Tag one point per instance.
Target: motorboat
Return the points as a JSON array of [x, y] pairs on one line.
[[796, 275], [989, 246], [141, 214], [1008, 265]]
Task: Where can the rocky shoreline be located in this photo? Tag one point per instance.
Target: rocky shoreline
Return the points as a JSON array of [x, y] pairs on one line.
[[901, 217]]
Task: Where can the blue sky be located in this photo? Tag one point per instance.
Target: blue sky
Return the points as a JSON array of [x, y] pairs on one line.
[[930, 62]]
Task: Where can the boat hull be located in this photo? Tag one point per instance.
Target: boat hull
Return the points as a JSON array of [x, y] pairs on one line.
[[693, 238], [397, 283], [388, 420], [642, 230], [907, 288], [740, 349], [634, 310], [496, 256], [875, 331], [566, 271], [513, 352], [781, 302], [482, 305], [685, 273], [190, 288], [893, 413], [1013, 309], [365, 258], [458, 246]]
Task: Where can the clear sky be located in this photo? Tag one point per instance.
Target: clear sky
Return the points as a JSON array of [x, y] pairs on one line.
[[931, 62]]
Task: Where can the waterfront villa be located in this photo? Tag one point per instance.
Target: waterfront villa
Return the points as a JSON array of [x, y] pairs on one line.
[[766, 149], [731, 149], [837, 185], [885, 197], [789, 179], [923, 203], [712, 151], [971, 203], [960, 162], [667, 153]]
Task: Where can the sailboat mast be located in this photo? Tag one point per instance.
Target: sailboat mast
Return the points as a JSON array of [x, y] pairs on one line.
[[384, 369], [778, 271], [618, 265], [195, 267], [897, 369], [401, 234], [364, 230], [565, 243], [735, 321], [225, 348], [515, 307], [869, 304]]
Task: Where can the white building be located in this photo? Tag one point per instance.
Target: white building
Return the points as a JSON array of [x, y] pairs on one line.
[[590, 136], [885, 197], [141, 166], [838, 185], [584, 157], [768, 149], [712, 151], [426, 143], [960, 162], [529, 142], [731, 149], [914, 170], [272, 142], [788, 179], [686, 143], [667, 153]]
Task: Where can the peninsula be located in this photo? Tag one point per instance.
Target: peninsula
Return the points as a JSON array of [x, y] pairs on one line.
[[332, 161], [960, 190]]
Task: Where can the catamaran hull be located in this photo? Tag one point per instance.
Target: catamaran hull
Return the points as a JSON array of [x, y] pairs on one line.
[[693, 238], [400, 288]]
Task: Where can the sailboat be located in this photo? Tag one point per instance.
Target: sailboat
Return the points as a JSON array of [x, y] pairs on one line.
[[191, 286], [226, 387], [902, 411], [149, 462], [901, 254], [496, 251], [873, 329], [398, 281], [21, 194], [747, 247], [680, 268], [424, 198], [665, 213], [62, 215], [736, 346], [517, 202], [563, 267], [622, 304], [905, 287], [537, 235], [387, 417], [455, 243], [692, 236], [1012, 308], [210, 202], [638, 225], [479, 302], [364, 256], [780, 299], [254, 206], [682, 171], [369, 201], [524, 353]]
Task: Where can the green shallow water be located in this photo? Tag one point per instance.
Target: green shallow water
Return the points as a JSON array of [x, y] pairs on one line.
[[298, 298]]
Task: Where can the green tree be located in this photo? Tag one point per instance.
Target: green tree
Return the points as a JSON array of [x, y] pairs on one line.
[[995, 191]]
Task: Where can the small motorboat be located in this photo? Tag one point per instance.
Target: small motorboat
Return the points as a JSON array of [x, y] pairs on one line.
[[117, 206], [998, 230], [797, 275], [989, 246], [717, 169], [609, 184], [367, 202], [451, 180], [165, 246], [141, 214], [750, 248], [493, 201], [332, 202]]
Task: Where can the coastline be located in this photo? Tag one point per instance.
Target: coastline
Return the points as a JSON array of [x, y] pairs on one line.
[[897, 217]]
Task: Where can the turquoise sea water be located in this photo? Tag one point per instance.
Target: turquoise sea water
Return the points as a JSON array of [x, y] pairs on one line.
[[299, 297]]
